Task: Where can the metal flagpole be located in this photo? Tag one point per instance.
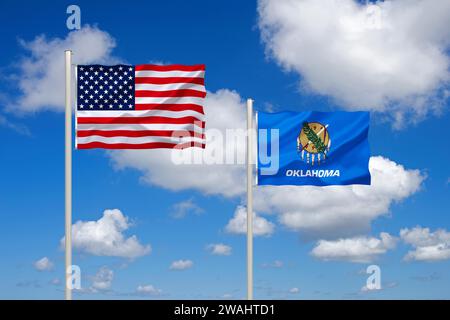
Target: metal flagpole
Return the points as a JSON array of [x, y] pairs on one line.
[[68, 176], [249, 199]]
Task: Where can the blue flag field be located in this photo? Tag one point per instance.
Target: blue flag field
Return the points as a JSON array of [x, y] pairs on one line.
[[313, 148]]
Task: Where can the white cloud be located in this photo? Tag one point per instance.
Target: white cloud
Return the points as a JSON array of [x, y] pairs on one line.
[[41, 72], [238, 224], [390, 56], [224, 109], [219, 249], [339, 211], [428, 246], [102, 280], [357, 249], [181, 265], [275, 264], [105, 237], [315, 211], [181, 209], [148, 289], [44, 264], [294, 290]]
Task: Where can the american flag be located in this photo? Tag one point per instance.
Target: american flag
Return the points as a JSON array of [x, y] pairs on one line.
[[140, 107]]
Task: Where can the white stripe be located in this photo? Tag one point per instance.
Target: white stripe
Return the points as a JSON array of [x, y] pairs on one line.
[[169, 86], [139, 113], [169, 100], [169, 74], [142, 126], [138, 140]]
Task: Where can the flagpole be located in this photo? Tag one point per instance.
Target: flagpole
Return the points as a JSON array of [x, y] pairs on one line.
[[249, 199], [68, 177]]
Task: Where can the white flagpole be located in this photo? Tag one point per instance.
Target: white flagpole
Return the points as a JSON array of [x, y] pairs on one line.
[[249, 199], [68, 177]]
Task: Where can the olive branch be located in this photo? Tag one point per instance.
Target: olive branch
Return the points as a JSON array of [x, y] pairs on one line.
[[313, 137]]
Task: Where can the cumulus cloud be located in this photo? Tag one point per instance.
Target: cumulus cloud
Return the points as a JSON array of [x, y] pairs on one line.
[[41, 72], [428, 246], [148, 290], [219, 249], [181, 209], [275, 264], [102, 280], [294, 290], [315, 211], [105, 237], [181, 265], [357, 249], [238, 224], [391, 56], [339, 211], [44, 264], [224, 109]]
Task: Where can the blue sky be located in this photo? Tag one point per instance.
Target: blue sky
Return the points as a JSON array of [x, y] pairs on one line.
[[295, 67]]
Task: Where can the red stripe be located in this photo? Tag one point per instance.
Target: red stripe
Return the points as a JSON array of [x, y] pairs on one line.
[[137, 120], [170, 107], [168, 80], [140, 133], [170, 93], [150, 145], [173, 67]]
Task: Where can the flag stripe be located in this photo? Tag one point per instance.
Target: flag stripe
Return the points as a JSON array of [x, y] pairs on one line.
[[169, 100], [170, 86], [173, 67], [152, 119], [141, 133], [137, 140], [151, 145], [156, 80], [172, 107], [171, 93], [141, 126], [167, 74], [140, 113]]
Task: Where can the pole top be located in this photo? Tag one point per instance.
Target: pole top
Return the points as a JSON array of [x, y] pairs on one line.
[[68, 50]]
